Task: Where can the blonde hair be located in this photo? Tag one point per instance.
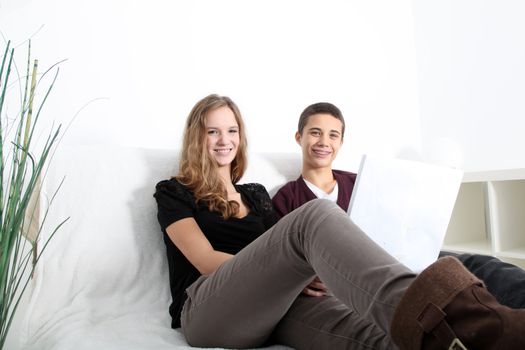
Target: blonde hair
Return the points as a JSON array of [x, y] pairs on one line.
[[198, 170]]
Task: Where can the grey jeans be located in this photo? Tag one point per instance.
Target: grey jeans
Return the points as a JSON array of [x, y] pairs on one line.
[[254, 297]]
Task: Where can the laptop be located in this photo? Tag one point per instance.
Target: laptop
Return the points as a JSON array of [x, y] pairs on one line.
[[405, 206]]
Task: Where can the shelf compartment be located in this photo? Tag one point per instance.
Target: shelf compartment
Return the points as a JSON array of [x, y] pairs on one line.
[[507, 216], [468, 229]]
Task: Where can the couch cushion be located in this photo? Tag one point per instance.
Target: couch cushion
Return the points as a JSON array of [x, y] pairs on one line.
[[103, 280]]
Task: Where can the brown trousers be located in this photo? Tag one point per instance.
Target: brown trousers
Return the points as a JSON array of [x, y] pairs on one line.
[[252, 299]]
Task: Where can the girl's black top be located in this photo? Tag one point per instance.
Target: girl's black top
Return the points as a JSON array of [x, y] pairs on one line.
[[175, 202]]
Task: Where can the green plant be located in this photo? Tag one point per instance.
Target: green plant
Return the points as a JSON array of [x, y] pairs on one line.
[[23, 161]]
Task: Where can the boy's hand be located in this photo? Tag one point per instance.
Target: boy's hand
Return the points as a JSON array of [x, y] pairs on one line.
[[316, 288]]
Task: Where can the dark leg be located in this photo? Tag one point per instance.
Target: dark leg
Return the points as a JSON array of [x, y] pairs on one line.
[[503, 280]]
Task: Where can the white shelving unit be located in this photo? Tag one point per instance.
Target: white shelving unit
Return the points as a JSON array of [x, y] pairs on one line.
[[489, 216]]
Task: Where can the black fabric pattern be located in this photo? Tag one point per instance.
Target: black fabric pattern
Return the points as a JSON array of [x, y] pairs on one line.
[[260, 202]]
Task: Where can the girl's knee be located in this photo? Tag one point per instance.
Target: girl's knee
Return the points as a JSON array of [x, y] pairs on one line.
[[321, 204], [316, 212]]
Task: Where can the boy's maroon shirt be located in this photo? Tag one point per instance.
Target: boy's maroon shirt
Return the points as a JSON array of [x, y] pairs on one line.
[[295, 193]]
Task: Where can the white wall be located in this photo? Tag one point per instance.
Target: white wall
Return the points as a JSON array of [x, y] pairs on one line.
[[471, 70], [147, 63], [150, 61]]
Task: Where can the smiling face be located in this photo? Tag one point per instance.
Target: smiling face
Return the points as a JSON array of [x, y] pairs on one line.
[[320, 140], [222, 135]]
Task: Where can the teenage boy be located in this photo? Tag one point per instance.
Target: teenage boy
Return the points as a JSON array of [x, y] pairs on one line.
[[320, 134]]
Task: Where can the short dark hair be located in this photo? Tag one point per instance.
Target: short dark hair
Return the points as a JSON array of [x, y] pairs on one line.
[[320, 108]]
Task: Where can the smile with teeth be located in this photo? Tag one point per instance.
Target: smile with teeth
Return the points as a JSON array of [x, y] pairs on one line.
[[223, 150]]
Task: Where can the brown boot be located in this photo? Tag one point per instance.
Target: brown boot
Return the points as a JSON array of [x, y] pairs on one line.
[[446, 307]]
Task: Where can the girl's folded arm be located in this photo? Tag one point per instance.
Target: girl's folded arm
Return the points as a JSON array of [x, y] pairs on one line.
[[189, 239]]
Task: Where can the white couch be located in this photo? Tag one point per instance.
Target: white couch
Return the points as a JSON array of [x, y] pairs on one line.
[[103, 283]]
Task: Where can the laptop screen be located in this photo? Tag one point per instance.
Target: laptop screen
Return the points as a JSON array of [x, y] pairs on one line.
[[405, 206]]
